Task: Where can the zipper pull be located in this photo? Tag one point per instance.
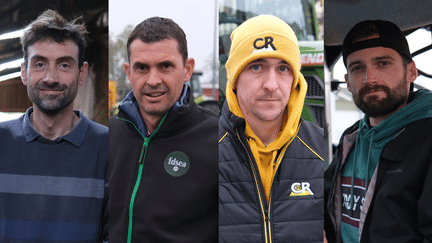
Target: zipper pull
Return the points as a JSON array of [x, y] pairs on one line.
[[267, 218], [140, 161], [143, 150]]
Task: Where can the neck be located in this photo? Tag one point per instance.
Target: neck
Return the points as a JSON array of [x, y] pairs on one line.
[[266, 131], [53, 126], [375, 121], [151, 122]]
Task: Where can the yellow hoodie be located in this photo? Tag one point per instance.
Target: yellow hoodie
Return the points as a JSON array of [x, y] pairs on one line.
[[243, 51]]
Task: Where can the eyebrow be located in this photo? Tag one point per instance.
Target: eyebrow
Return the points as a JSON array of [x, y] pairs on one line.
[[59, 59], [139, 64], [386, 57], [383, 58], [66, 59], [166, 62]]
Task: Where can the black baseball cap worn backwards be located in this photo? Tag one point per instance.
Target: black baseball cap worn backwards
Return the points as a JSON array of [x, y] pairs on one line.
[[388, 35]]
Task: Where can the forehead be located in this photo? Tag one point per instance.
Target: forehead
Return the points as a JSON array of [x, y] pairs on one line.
[[371, 54], [51, 49], [165, 49], [269, 60]]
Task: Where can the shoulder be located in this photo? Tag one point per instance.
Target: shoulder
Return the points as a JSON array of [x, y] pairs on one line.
[[312, 137], [205, 118], [311, 129], [94, 127], [11, 128], [208, 114]]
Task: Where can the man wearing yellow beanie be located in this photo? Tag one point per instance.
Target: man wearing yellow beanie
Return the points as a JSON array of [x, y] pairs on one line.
[[270, 160]]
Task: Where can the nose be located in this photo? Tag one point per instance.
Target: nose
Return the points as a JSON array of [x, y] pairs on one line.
[[154, 78], [51, 74], [270, 83], [370, 76]]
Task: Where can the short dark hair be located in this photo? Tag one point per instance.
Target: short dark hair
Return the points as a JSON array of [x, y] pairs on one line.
[[157, 29], [51, 25]]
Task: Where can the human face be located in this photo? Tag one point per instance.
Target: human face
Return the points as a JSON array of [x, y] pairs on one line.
[[263, 88], [52, 75], [157, 73], [378, 80]]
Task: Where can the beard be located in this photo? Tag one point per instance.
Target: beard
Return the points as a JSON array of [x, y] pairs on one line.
[[52, 104], [376, 107]]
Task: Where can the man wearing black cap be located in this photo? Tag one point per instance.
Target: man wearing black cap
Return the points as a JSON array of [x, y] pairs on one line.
[[379, 186]]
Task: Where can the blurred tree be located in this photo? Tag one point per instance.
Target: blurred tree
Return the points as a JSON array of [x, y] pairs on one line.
[[117, 57]]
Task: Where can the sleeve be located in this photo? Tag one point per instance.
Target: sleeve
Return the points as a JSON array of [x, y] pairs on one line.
[[424, 205]]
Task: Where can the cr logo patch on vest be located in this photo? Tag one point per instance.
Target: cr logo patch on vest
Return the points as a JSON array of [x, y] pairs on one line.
[[176, 163], [301, 189], [263, 44]]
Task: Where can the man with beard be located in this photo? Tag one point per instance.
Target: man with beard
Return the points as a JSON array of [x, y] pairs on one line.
[[379, 186], [163, 147], [53, 170]]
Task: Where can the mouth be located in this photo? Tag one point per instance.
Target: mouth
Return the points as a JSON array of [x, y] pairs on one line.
[[51, 91], [155, 96], [268, 100]]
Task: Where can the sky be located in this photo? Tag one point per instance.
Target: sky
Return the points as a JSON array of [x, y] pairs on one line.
[[196, 18]]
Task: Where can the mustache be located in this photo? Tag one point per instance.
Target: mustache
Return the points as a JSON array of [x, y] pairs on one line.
[[371, 88], [157, 88], [55, 86]]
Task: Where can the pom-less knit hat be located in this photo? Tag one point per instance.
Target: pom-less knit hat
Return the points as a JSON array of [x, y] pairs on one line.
[[259, 37], [389, 35]]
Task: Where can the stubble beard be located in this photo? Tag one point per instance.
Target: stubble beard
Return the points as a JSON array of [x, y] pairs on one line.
[[52, 104]]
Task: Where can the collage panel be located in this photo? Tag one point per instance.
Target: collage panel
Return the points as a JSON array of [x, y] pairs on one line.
[[378, 186], [271, 136], [163, 131], [53, 121]]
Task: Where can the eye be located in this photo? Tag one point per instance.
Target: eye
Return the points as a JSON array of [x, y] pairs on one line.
[[255, 67], [65, 65], [356, 69], [141, 67], [39, 64], [384, 63], [284, 68]]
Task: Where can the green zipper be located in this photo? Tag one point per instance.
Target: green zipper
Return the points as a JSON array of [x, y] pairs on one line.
[[140, 169]]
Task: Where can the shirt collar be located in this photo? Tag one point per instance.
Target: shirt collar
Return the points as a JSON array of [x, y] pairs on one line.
[[75, 137]]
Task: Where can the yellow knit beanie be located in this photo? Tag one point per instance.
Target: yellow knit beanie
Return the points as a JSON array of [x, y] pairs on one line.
[[259, 37]]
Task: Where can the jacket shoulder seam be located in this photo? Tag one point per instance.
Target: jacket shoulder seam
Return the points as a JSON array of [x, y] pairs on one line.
[[220, 140], [307, 146]]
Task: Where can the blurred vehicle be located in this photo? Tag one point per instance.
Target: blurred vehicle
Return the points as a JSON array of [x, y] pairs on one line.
[[203, 96]]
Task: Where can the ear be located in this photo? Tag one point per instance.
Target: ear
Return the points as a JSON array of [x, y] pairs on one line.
[[83, 73], [189, 68], [24, 74], [347, 82], [411, 72], [127, 71]]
